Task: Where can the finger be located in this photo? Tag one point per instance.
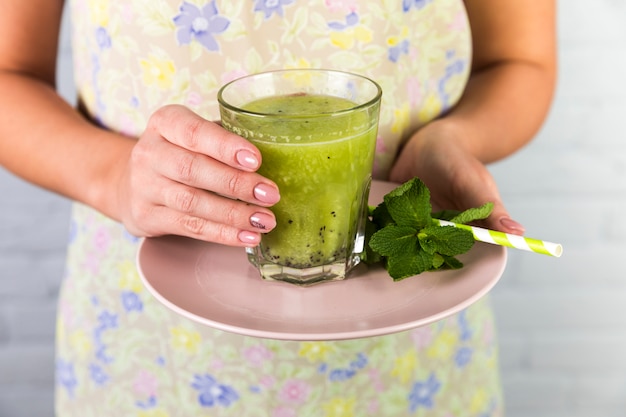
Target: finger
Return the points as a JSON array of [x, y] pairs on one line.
[[200, 171], [182, 127], [499, 219], [164, 220], [202, 204]]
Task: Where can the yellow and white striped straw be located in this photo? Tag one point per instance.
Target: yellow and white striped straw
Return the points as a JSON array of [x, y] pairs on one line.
[[512, 241]]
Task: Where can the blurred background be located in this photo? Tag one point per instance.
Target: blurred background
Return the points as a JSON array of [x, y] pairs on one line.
[[561, 322]]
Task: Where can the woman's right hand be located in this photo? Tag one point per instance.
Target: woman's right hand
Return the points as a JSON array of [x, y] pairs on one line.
[[190, 177]]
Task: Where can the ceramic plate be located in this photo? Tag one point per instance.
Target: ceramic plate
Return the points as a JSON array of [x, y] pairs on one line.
[[216, 286]]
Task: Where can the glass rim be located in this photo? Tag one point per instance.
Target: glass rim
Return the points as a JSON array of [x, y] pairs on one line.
[[368, 103]]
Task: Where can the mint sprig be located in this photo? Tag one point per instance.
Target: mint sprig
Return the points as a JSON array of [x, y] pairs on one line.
[[404, 236]]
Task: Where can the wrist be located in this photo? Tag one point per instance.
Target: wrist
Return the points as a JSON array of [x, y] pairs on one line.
[[109, 170], [443, 134]]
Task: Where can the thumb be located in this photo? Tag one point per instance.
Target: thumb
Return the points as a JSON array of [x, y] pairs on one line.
[[481, 188], [501, 220]]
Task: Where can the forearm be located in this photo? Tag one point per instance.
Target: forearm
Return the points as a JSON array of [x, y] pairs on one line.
[[502, 109], [45, 141]]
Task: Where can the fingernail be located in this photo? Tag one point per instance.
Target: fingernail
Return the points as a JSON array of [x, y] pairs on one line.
[[263, 221], [266, 193], [249, 238], [247, 159], [512, 225]]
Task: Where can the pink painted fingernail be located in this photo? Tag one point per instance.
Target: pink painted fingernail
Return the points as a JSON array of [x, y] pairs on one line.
[[247, 159], [263, 221], [249, 238], [266, 193], [512, 225]]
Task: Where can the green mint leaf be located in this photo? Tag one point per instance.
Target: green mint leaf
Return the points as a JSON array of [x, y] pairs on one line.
[[452, 263], [445, 214], [472, 214], [381, 216], [438, 261], [426, 242], [449, 240], [408, 264], [409, 204], [394, 240]]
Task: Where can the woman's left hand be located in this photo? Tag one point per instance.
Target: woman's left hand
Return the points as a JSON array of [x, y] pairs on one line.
[[457, 180]]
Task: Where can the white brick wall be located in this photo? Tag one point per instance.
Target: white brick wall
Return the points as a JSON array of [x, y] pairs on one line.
[[561, 321]]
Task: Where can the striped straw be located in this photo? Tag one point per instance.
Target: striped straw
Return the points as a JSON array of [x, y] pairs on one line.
[[512, 241]]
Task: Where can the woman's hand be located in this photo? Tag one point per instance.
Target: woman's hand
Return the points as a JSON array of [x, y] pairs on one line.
[[506, 100], [456, 179], [190, 177]]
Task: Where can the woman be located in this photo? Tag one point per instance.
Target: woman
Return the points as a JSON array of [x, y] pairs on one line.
[[465, 84]]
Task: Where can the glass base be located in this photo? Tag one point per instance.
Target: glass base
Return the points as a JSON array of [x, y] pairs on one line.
[[335, 271]]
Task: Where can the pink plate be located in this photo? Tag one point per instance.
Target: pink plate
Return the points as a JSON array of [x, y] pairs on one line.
[[216, 286]]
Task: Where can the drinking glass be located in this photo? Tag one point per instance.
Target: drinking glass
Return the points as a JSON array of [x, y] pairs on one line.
[[316, 130]]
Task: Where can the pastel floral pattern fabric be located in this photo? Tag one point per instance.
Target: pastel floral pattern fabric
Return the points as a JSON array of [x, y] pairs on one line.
[[119, 352]]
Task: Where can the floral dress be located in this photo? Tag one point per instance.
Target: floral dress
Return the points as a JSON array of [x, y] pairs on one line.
[[120, 352]]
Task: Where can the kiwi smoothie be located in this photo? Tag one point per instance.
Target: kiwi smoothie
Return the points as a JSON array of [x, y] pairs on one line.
[[322, 178], [319, 150]]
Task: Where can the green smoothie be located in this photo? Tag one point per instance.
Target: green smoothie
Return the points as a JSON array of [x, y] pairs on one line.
[[322, 166]]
